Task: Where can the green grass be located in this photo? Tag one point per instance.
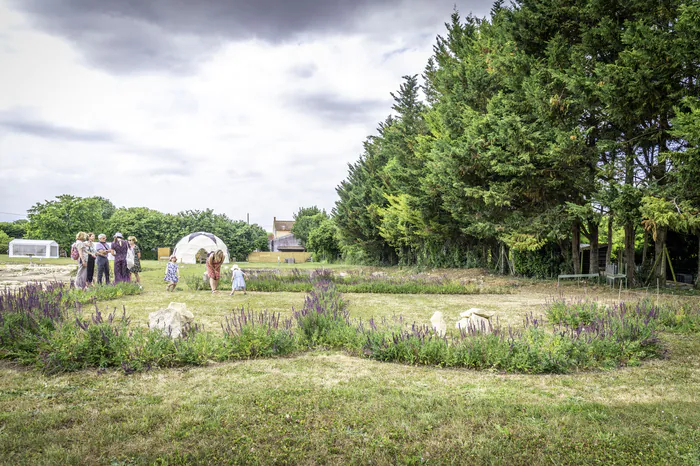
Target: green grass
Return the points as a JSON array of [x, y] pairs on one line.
[[330, 408], [6, 259]]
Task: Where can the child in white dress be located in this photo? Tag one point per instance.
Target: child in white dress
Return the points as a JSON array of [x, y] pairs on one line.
[[238, 279]]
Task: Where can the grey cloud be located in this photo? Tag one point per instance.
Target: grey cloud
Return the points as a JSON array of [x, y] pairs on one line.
[[20, 122], [127, 36], [336, 109], [17, 123], [304, 70], [395, 52]]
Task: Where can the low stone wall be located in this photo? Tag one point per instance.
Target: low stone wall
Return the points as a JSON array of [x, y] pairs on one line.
[[278, 256]]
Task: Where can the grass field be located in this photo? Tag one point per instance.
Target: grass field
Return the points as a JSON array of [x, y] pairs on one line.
[[325, 407]]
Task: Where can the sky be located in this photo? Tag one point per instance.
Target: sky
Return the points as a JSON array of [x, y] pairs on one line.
[[244, 107]]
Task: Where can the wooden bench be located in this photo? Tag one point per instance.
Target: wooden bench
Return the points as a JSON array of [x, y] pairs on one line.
[[577, 275]]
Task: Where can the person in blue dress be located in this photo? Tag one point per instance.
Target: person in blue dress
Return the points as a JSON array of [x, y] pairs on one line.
[[172, 274], [238, 279]]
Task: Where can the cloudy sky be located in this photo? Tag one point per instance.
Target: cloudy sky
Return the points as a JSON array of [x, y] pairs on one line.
[[241, 106]]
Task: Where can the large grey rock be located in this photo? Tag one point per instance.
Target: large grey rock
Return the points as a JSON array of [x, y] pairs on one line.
[[438, 323], [475, 317], [171, 320]]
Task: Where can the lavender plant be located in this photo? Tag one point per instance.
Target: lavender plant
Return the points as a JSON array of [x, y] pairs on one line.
[[262, 334], [298, 281], [324, 318], [38, 326]]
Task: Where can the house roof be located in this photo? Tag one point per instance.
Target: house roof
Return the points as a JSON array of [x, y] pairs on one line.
[[283, 225], [38, 242], [291, 248]]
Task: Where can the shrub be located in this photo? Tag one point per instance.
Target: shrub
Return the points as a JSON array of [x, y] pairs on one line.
[[324, 318], [101, 292], [621, 335], [681, 317], [254, 335]]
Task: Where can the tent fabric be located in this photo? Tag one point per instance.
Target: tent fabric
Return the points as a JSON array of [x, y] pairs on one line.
[[186, 249], [21, 247], [201, 233]]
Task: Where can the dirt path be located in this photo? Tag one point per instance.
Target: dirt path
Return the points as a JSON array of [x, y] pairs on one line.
[[14, 275]]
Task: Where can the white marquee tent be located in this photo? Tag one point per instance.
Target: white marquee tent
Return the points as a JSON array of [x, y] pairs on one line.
[[186, 249], [43, 249]]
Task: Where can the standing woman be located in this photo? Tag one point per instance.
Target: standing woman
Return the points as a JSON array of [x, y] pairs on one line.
[[120, 248], [137, 259], [214, 262], [81, 277], [90, 247], [102, 251]]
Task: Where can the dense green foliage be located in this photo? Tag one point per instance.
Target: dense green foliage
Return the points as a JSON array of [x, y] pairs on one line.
[[16, 229], [4, 242], [540, 125], [63, 218], [315, 230]]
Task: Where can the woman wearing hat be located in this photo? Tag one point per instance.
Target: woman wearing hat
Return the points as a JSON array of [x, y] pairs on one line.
[[120, 247]]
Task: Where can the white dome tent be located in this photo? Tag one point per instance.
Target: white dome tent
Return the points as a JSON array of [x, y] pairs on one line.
[[186, 249]]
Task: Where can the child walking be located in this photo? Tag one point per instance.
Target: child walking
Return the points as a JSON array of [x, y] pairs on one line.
[[238, 280], [172, 274]]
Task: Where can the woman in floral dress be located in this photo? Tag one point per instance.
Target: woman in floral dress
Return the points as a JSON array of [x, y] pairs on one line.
[[137, 259], [214, 262], [172, 274]]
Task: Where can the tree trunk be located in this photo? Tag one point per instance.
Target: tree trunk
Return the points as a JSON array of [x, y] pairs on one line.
[[575, 246], [660, 256], [646, 247], [565, 249], [608, 253], [629, 252], [593, 231], [697, 277], [503, 259]]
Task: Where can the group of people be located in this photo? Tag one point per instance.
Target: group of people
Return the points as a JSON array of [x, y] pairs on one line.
[[127, 262], [91, 255], [214, 261]]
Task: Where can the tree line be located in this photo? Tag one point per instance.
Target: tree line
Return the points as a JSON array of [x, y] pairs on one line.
[[548, 124], [60, 219]]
